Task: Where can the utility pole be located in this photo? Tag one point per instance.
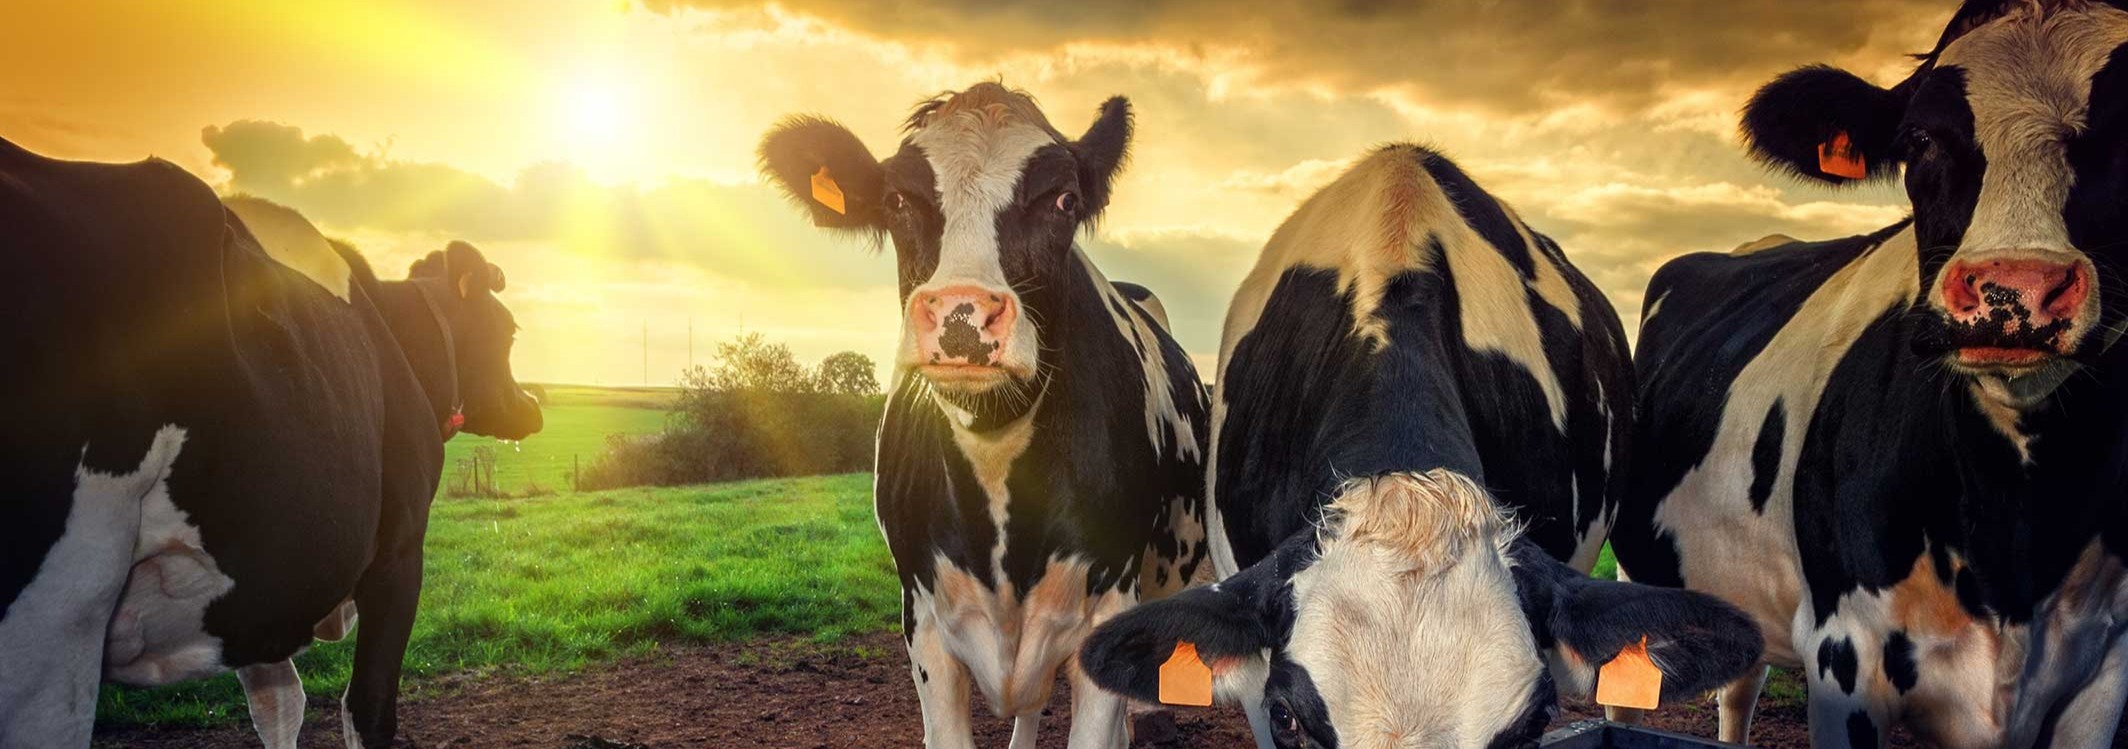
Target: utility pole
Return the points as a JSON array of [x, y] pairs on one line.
[[690, 341], [646, 352]]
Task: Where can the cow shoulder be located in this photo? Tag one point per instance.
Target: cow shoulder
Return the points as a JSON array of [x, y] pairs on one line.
[[1735, 354], [293, 241]]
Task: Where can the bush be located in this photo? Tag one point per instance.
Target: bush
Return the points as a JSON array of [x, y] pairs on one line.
[[757, 413], [474, 476]]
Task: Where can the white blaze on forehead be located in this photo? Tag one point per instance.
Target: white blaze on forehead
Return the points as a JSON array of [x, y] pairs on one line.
[[2028, 81], [293, 241], [977, 157]]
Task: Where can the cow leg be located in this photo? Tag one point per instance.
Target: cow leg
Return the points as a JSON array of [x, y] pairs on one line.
[[1099, 719], [2093, 716], [52, 634], [387, 596], [941, 679], [1736, 702], [274, 692], [1025, 728], [51, 641]]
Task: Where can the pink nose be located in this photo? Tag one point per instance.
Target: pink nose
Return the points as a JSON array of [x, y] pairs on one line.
[[2035, 292], [962, 325]]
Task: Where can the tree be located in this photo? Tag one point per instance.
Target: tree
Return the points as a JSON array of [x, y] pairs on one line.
[[750, 362], [848, 373]]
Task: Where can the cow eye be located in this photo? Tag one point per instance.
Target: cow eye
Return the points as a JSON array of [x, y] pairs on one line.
[[895, 202], [1285, 723], [1067, 202], [1916, 141]]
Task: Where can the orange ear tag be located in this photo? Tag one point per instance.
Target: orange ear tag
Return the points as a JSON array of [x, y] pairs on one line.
[[1839, 158], [1631, 679], [826, 192], [1184, 679]]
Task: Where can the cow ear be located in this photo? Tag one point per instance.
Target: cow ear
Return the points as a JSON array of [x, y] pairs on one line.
[[1697, 641], [428, 266], [469, 271], [1788, 120], [826, 170], [1124, 655], [1102, 152]]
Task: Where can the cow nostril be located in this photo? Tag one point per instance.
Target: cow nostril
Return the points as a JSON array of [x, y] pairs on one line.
[[2055, 294]]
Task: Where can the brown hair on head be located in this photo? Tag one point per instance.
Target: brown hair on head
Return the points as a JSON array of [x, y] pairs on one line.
[[992, 102], [1426, 521]]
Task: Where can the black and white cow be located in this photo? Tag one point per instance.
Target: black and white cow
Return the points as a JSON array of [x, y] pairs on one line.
[[222, 437], [1906, 453], [1040, 463], [1419, 405]]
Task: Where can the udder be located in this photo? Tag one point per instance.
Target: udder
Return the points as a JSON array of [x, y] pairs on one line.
[[157, 634]]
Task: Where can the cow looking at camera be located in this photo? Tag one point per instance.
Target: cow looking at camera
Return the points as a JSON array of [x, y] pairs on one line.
[[1906, 453], [1040, 464]]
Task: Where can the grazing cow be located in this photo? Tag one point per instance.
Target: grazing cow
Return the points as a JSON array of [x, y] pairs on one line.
[[1906, 453], [222, 438], [1419, 403], [1040, 462]]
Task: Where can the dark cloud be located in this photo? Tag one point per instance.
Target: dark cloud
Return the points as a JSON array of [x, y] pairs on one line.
[[1499, 55]]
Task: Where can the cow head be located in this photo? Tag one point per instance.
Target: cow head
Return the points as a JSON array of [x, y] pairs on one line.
[[2014, 137], [461, 286], [982, 202], [1414, 616]]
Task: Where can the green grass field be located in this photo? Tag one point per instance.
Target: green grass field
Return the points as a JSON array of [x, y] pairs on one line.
[[556, 581], [552, 583], [578, 419]]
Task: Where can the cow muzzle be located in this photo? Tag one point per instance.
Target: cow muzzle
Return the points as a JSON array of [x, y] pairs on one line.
[[2008, 312], [963, 335], [518, 418]]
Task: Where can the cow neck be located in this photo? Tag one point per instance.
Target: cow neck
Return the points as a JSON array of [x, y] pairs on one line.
[[2027, 518], [455, 412]]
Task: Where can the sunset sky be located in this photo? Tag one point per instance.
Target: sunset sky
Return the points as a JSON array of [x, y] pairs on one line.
[[602, 151]]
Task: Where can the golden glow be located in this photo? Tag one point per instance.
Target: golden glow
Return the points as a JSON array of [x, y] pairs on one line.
[[604, 154], [599, 110]]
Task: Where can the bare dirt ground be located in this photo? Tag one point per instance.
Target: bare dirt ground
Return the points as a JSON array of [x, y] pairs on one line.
[[776, 694]]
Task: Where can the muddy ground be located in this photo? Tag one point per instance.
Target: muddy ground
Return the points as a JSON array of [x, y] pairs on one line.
[[773, 694]]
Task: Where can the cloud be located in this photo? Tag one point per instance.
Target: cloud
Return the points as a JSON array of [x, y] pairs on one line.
[[742, 230], [1194, 272], [1299, 180], [1498, 57]]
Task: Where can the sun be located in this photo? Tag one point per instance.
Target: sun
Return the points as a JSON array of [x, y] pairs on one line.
[[597, 110], [600, 116]]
